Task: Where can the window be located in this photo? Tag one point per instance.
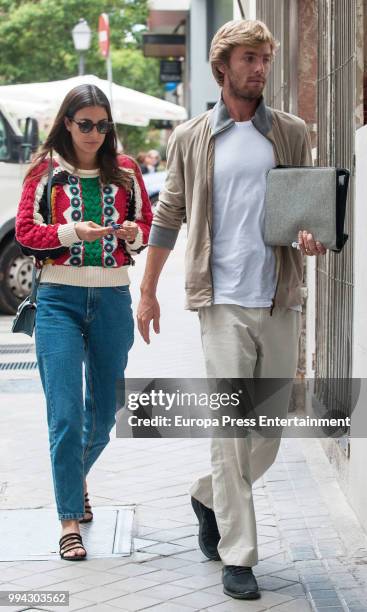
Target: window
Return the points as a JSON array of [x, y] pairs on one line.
[[4, 147], [218, 12]]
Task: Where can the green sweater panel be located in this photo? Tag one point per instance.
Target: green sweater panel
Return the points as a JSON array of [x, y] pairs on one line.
[[92, 200]]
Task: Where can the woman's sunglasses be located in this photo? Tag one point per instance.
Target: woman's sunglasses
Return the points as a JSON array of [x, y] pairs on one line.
[[86, 125]]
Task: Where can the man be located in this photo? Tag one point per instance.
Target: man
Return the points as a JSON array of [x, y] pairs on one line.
[[248, 295]]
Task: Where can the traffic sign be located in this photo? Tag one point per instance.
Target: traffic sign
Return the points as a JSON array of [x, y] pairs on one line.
[[104, 34]]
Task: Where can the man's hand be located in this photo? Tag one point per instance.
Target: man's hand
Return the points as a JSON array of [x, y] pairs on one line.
[[308, 245], [148, 309]]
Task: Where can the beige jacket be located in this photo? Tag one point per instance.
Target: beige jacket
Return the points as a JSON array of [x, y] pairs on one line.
[[188, 192]]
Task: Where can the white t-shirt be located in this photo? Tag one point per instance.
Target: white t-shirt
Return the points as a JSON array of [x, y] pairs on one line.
[[243, 267]]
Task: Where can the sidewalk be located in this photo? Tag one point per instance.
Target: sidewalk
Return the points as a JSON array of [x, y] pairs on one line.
[[313, 554]]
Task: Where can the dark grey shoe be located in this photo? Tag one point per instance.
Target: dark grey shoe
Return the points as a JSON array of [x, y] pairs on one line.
[[208, 530], [239, 582]]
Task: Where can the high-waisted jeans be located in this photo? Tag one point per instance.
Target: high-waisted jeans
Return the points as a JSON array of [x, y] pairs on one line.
[[76, 325]]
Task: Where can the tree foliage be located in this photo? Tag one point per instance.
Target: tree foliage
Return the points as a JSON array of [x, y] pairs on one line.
[[36, 42], [36, 45]]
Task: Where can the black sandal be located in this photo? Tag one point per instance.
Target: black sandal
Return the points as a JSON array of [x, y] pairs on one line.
[[71, 541], [87, 510]]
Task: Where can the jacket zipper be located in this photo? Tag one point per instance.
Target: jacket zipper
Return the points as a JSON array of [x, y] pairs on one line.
[[209, 202], [276, 157]]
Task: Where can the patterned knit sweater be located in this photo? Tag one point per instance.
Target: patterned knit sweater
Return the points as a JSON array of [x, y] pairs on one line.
[[78, 195]]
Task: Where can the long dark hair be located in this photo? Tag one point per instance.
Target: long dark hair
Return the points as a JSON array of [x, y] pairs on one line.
[[59, 138]]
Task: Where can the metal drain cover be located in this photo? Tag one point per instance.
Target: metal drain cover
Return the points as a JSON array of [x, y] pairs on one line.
[[30, 535], [19, 365]]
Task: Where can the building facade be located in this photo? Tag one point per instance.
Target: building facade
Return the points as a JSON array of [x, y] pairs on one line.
[[196, 21], [321, 76]]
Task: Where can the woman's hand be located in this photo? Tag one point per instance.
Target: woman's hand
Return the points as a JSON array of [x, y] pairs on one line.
[[128, 231], [90, 231]]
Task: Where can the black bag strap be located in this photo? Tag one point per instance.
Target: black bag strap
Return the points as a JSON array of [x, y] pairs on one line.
[[49, 186], [36, 278]]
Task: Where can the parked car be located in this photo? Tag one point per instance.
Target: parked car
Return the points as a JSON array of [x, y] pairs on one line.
[[15, 150], [154, 182]]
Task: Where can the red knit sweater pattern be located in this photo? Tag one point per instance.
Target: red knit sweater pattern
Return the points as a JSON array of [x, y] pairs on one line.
[[38, 238]]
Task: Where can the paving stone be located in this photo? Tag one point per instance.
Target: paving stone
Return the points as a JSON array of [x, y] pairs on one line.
[[295, 590], [271, 583], [38, 581], [170, 535], [301, 605], [281, 558], [217, 589], [132, 569], [329, 608], [168, 591], [14, 573], [166, 549], [137, 583], [141, 543], [106, 565], [33, 566], [266, 602], [100, 579], [188, 542], [202, 569], [133, 602], [326, 603], [326, 585], [355, 596], [74, 587], [170, 563], [270, 567], [288, 574], [169, 607], [102, 593], [70, 570], [323, 593], [192, 555], [200, 599], [75, 603], [101, 608], [300, 554], [200, 582]]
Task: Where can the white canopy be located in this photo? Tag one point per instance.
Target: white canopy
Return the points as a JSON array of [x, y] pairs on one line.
[[130, 107]]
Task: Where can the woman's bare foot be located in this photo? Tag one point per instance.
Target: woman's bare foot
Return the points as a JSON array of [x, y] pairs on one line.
[[71, 526]]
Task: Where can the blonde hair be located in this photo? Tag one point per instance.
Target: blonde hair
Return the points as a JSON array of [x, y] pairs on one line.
[[233, 34]]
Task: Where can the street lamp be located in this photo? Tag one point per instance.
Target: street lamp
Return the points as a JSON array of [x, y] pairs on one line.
[[81, 37]]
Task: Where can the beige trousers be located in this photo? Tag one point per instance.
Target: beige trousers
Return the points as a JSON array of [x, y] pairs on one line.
[[243, 343]]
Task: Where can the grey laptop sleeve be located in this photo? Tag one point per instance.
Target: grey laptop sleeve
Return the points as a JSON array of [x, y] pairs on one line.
[[306, 198]]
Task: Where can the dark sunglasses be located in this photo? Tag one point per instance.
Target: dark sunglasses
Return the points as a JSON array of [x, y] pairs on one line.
[[86, 125]]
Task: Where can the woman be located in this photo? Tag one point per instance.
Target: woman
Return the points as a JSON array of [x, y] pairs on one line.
[[100, 216]]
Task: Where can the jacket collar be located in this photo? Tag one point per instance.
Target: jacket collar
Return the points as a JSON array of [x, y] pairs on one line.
[[220, 119]]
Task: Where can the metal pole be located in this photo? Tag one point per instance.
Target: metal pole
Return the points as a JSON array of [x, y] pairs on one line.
[[242, 10], [81, 64], [109, 77]]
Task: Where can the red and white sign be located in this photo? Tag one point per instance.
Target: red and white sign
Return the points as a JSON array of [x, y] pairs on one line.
[[104, 34]]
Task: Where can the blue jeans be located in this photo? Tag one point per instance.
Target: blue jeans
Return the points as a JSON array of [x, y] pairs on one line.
[[76, 325]]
